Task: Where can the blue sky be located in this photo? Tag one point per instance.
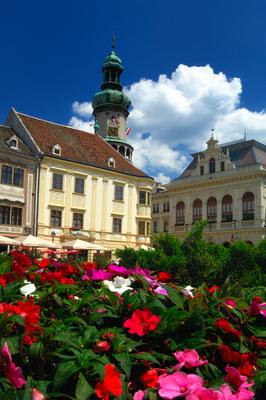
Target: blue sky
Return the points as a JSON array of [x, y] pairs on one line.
[[52, 53]]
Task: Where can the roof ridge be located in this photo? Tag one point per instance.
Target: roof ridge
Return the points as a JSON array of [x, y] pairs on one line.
[[54, 123]]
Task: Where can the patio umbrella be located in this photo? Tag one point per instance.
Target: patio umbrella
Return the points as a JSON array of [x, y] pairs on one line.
[[81, 245], [7, 241], [35, 241]]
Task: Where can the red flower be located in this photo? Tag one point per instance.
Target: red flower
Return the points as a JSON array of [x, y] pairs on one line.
[[2, 281], [226, 327], [111, 383], [149, 378], [214, 289], [37, 395], [164, 276], [142, 322], [67, 281], [102, 346], [228, 355]]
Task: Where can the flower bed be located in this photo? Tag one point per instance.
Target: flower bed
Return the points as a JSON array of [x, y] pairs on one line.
[[78, 332]]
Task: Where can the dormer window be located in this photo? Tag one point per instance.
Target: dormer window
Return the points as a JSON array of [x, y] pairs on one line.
[[13, 143], [111, 162], [56, 149]]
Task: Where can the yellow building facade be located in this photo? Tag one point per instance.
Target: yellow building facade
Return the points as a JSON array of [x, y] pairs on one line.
[[224, 185]]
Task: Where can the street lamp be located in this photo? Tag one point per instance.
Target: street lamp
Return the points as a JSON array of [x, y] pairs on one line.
[[53, 234]]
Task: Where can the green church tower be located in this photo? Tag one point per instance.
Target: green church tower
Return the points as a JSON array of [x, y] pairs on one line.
[[111, 106]]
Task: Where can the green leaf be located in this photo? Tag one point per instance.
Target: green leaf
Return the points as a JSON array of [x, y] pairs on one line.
[[5, 267], [27, 391], [63, 373], [83, 389], [91, 334], [13, 343], [145, 356], [174, 296], [125, 363]]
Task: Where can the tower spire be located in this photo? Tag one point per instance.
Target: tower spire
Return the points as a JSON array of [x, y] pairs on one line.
[[113, 42]]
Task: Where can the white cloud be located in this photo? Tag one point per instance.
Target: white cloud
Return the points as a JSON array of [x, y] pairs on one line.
[[162, 178], [78, 123], [178, 113], [82, 109]]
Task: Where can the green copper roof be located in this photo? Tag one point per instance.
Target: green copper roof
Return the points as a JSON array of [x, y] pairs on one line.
[[110, 97], [112, 60]]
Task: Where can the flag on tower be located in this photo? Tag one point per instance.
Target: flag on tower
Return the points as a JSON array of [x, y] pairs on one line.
[[128, 131]]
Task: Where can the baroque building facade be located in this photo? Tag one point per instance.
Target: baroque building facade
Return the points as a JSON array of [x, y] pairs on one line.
[[86, 184], [225, 185], [17, 185]]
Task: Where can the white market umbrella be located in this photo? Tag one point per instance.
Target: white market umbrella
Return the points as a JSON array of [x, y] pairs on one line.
[[35, 241], [145, 247], [81, 245], [7, 241]]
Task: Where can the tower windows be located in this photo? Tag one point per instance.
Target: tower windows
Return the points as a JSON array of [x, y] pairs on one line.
[[212, 165]]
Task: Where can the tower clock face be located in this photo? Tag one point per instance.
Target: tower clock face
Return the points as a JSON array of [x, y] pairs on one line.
[[112, 131]]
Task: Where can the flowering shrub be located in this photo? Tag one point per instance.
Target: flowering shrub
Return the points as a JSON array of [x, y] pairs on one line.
[[81, 332]]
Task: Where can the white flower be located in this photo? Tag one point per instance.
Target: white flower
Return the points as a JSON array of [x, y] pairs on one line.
[[119, 284], [27, 289], [187, 291]]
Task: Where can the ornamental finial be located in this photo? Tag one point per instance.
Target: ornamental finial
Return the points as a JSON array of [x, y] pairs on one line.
[[113, 41]]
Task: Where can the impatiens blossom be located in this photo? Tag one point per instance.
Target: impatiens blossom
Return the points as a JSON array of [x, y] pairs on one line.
[[111, 383], [150, 378], [141, 322], [37, 395], [161, 290], [178, 384], [230, 303], [235, 379], [28, 288], [202, 393], [189, 359], [120, 270], [119, 284], [12, 373], [139, 395], [226, 327], [187, 291]]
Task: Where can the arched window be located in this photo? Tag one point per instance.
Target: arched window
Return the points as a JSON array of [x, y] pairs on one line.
[[212, 165], [197, 210], [248, 206], [122, 150], [227, 208], [212, 209], [180, 213]]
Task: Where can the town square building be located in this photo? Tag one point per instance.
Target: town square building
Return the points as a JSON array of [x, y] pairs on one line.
[[17, 185], [86, 184], [225, 185]]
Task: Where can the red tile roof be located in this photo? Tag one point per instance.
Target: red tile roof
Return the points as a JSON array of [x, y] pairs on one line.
[[77, 146]]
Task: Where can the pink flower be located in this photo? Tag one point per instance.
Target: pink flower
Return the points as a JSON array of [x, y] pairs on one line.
[[13, 374], [100, 275], [178, 384], [120, 270], [231, 303], [188, 359], [236, 380], [139, 395], [242, 394], [37, 395], [202, 393], [262, 307], [161, 290]]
